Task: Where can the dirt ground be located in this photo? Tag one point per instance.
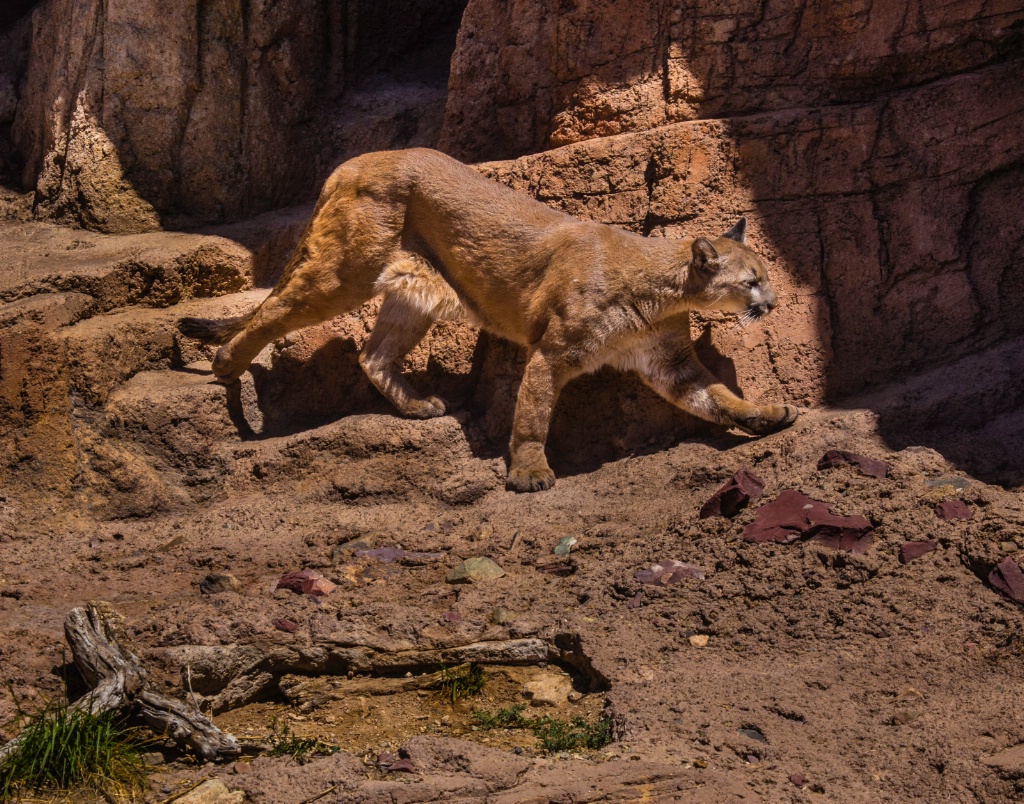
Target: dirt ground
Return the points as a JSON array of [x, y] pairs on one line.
[[866, 679], [838, 666]]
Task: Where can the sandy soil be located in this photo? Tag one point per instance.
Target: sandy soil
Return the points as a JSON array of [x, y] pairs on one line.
[[869, 679]]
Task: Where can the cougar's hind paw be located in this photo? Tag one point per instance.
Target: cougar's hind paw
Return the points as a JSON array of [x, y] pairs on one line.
[[429, 408]]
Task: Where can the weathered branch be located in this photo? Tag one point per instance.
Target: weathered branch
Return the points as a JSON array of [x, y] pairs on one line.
[[117, 682], [186, 725]]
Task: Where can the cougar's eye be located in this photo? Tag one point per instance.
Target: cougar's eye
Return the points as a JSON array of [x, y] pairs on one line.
[[752, 283]]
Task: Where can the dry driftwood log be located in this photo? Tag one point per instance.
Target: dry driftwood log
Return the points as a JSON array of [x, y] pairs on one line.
[[102, 653]]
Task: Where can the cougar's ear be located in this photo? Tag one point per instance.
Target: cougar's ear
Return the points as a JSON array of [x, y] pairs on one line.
[[738, 232], [703, 254]]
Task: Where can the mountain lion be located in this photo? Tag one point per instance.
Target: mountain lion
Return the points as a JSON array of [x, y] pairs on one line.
[[440, 241]]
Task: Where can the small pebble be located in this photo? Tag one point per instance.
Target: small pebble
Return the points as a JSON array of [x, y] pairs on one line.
[[958, 483], [482, 533], [753, 734], [905, 716], [565, 545], [1008, 547], [699, 640], [475, 569], [217, 582]]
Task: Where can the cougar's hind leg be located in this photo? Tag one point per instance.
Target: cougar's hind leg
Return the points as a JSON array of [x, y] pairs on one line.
[[305, 299], [400, 326], [415, 295]]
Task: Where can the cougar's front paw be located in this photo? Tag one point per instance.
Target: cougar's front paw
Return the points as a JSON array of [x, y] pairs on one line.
[[429, 408], [771, 419], [537, 477]]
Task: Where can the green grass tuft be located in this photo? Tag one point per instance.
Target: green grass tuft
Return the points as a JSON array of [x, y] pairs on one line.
[[65, 749], [510, 718], [570, 735], [302, 749], [554, 734], [461, 682]]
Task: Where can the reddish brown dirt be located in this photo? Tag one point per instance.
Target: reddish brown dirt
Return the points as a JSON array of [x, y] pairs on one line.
[[852, 667]]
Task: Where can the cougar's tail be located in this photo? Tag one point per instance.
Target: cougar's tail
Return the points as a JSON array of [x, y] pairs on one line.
[[213, 330]]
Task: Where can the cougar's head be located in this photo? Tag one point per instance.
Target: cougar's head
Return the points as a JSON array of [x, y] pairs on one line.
[[726, 275]]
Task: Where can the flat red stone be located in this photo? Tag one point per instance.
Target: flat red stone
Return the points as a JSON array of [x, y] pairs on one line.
[[306, 582], [665, 573], [839, 457], [795, 516], [911, 551], [742, 488], [953, 509], [1008, 579]]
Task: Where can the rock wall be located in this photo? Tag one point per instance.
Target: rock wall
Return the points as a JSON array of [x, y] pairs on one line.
[[209, 110], [15, 39], [529, 76], [875, 148], [877, 157]]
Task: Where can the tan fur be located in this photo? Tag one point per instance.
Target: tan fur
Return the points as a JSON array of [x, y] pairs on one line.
[[439, 241]]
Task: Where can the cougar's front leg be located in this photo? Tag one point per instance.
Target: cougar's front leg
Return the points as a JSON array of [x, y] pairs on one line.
[[675, 372], [528, 467]]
